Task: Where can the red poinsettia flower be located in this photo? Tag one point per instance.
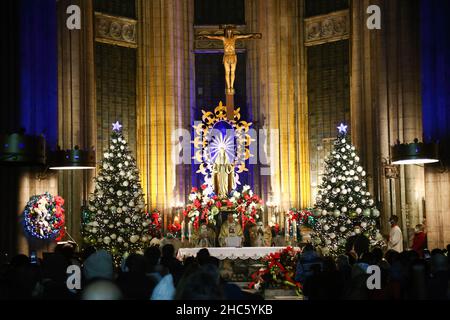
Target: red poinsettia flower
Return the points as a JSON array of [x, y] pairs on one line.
[[204, 186], [194, 189], [59, 201], [229, 203], [246, 196], [219, 204], [197, 203]]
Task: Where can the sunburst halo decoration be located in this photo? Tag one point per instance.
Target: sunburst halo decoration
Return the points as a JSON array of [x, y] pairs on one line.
[[209, 140]]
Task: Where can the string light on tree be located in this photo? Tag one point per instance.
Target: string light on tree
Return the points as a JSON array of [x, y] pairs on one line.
[[346, 206]]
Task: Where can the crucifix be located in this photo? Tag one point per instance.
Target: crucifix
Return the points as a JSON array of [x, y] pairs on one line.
[[230, 60]]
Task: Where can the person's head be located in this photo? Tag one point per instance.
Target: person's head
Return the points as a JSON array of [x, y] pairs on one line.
[[99, 265], [86, 252], [202, 284], [203, 256], [391, 256], [308, 248], [168, 251], [393, 220], [152, 254], [439, 263], [377, 254], [230, 217], [419, 228], [342, 262], [189, 261], [102, 290], [328, 264], [135, 263], [436, 251]]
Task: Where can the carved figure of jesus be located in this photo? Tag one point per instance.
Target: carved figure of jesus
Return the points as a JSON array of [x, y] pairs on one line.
[[230, 58]]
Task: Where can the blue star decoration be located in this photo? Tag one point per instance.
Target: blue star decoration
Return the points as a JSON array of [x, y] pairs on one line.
[[117, 126], [342, 128]]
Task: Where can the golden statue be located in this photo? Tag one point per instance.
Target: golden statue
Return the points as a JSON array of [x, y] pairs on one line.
[[230, 233], [223, 175], [230, 57]]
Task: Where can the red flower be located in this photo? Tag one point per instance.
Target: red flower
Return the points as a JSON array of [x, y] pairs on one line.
[[197, 203], [204, 186], [184, 213], [219, 204], [229, 203], [246, 196], [59, 201], [194, 189]]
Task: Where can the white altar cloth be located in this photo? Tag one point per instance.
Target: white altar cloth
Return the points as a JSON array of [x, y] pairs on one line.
[[243, 253]]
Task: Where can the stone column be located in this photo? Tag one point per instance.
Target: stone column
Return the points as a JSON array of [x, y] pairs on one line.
[[76, 106], [276, 92], [386, 104], [165, 96]]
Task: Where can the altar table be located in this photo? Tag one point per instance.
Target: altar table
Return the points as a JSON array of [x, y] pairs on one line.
[[244, 253]]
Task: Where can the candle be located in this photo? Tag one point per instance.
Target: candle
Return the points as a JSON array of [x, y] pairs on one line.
[[286, 227], [294, 230], [190, 230], [182, 230]]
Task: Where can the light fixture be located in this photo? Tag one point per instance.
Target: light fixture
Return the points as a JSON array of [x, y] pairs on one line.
[[21, 149], [414, 153], [73, 159]]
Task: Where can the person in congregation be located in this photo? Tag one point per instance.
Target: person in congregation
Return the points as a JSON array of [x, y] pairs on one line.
[[395, 235]]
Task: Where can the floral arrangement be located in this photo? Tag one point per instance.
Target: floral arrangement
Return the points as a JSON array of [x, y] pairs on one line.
[[278, 271], [303, 217], [204, 205], [247, 205], [174, 227], [43, 217], [155, 222]]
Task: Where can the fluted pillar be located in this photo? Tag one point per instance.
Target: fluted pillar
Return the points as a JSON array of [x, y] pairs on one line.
[[277, 93], [386, 104], [76, 106], [165, 96]]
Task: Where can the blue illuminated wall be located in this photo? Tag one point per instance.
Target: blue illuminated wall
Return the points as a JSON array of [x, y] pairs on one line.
[[38, 68], [435, 64]]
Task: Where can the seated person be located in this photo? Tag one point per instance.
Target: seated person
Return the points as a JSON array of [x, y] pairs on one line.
[[308, 263], [230, 229]]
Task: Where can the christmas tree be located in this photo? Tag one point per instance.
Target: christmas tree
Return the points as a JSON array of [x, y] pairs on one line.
[[344, 206], [115, 219]]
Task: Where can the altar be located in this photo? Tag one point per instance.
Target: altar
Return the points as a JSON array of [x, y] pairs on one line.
[[236, 264], [245, 253]]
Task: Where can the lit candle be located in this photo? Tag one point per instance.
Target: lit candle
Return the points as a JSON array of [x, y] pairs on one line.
[[190, 230], [294, 230], [182, 230], [286, 227]]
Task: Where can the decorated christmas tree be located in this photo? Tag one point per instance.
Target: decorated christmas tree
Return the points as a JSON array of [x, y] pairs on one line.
[[344, 205], [115, 219]]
